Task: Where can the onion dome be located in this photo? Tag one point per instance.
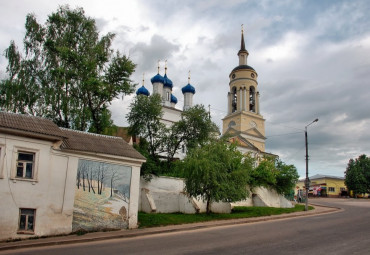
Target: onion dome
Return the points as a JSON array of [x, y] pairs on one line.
[[188, 89], [173, 99], [142, 91], [157, 78], [167, 82]]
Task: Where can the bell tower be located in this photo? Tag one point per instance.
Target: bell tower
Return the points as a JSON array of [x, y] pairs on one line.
[[243, 109]]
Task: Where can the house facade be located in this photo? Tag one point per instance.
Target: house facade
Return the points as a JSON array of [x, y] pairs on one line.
[[323, 186], [48, 174]]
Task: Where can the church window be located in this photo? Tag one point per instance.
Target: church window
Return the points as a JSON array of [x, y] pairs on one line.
[[168, 96], [234, 102], [252, 99]]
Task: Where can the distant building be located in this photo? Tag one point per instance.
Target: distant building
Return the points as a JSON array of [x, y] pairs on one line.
[[55, 180], [323, 186], [244, 123]]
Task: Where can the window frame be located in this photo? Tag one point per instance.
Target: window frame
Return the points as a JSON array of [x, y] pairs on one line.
[[35, 164], [26, 230], [331, 189], [2, 154]]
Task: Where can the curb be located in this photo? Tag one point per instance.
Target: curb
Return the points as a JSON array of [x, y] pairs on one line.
[[100, 236]]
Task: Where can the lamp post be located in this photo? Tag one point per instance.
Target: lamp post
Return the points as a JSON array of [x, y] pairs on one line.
[[307, 180]]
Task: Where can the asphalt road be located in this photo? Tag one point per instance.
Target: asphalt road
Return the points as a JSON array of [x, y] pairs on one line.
[[343, 232]]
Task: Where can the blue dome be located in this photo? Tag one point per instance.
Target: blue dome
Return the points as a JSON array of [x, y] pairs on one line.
[[188, 89], [157, 78], [167, 82], [173, 99], [142, 91]]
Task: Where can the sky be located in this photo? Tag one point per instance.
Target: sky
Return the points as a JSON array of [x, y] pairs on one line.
[[312, 59]]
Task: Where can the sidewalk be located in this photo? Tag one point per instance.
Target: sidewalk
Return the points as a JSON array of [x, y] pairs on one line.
[[99, 236]]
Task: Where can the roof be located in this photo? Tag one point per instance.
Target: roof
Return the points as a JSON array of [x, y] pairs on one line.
[[89, 142], [157, 78], [173, 99], [188, 89], [243, 67], [321, 176], [30, 125], [167, 82], [142, 91]]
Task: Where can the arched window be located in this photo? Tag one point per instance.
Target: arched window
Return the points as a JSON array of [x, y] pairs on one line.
[[252, 99], [234, 101]]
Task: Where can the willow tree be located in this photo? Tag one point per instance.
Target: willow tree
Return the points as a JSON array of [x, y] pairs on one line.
[[216, 172], [68, 72]]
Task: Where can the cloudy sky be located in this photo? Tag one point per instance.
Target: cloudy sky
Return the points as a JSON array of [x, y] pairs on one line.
[[312, 58]]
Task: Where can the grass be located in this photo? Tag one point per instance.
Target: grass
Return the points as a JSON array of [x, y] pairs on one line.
[[147, 220]]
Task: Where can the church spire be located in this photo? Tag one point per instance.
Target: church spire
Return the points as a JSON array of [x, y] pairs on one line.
[[243, 53], [242, 45]]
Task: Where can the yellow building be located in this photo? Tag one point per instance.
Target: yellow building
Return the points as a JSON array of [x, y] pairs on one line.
[[244, 122], [323, 185]]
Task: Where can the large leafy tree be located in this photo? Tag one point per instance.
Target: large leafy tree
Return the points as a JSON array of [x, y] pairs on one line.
[[194, 129], [216, 172], [68, 73], [286, 177], [357, 175], [144, 120]]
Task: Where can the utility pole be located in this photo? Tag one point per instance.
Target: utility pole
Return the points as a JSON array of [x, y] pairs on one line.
[[307, 181]]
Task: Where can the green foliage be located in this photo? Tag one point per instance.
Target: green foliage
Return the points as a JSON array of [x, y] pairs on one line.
[[275, 175], [68, 74], [286, 178], [144, 120], [194, 129], [147, 220], [263, 175], [216, 172], [357, 175]]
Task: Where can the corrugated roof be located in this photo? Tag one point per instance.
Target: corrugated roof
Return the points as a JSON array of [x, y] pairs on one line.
[[72, 140], [88, 142], [31, 124]]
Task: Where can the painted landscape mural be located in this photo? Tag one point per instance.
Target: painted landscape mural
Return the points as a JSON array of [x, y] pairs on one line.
[[102, 196]]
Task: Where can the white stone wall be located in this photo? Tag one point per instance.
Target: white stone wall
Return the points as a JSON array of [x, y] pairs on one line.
[[165, 195], [52, 191]]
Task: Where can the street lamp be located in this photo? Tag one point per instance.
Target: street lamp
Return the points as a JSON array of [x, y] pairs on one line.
[[307, 180]]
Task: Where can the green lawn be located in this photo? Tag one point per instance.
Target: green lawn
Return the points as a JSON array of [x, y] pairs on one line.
[[147, 220]]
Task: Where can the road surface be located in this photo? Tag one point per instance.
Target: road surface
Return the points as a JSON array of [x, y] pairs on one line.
[[344, 232]]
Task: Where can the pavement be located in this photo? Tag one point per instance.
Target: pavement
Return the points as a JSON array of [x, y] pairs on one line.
[[129, 233]]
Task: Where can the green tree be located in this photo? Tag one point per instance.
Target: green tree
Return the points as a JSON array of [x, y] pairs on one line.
[[68, 74], [286, 177], [144, 119], [216, 172], [194, 129], [357, 175], [263, 175]]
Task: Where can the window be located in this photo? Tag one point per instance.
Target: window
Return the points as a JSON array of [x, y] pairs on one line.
[[2, 151], [342, 189], [25, 165], [331, 189], [26, 220]]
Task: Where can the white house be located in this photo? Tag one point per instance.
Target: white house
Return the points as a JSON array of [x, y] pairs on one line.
[[47, 175]]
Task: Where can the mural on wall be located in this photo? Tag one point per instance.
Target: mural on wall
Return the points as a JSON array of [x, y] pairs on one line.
[[102, 196]]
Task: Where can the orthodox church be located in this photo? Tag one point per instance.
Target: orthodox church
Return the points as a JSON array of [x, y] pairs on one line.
[[163, 86], [244, 123]]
